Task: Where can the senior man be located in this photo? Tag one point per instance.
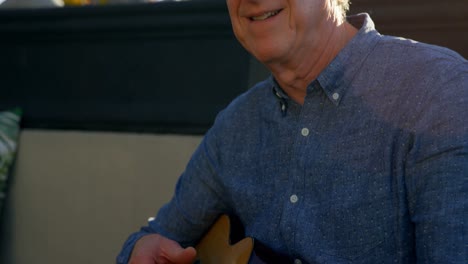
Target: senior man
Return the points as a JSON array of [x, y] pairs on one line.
[[355, 150]]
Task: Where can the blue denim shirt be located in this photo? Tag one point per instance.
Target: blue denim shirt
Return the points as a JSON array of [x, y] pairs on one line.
[[372, 168]]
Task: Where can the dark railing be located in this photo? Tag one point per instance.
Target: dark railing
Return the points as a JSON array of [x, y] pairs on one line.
[[166, 67]]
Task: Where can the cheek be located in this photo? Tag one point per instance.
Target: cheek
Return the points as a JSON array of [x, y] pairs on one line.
[[233, 8], [237, 29], [239, 32], [233, 15]]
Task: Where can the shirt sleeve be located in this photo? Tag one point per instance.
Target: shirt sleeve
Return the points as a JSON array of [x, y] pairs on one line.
[[437, 174], [197, 202]]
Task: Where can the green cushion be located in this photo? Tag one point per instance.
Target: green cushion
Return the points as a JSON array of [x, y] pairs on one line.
[[9, 130]]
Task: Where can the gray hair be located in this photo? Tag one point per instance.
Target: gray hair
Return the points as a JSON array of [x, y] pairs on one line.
[[343, 5]]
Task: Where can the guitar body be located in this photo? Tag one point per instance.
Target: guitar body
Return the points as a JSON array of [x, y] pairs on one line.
[[215, 247]]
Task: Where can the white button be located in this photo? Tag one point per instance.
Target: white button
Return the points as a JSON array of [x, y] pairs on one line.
[[305, 132], [293, 198], [297, 261], [336, 96]]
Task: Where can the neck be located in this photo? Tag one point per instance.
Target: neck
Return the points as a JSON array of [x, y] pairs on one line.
[[307, 63]]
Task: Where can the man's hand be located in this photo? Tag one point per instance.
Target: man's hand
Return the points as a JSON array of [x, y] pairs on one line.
[[156, 249]]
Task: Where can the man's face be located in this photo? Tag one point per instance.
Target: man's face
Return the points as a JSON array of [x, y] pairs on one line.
[[276, 31]]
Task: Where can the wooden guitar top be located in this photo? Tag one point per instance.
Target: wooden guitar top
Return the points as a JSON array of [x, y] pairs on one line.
[[215, 246]]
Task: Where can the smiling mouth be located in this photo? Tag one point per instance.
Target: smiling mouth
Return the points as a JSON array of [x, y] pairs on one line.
[[265, 15]]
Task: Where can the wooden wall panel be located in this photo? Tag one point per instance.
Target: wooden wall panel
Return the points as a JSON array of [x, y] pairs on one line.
[[442, 23]]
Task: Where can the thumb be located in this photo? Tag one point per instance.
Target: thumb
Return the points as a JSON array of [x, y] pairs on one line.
[[177, 254], [187, 255]]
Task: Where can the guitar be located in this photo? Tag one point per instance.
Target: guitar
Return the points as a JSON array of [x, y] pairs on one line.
[[215, 247]]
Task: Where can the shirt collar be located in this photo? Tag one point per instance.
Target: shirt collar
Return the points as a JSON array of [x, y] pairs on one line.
[[335, 79]]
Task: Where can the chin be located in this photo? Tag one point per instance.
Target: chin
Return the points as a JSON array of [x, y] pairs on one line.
[[268, 53], [266, 57]]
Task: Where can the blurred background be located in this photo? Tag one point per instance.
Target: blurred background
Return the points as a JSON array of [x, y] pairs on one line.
[[117, 94]]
